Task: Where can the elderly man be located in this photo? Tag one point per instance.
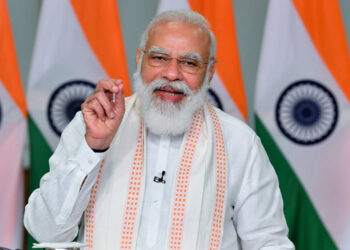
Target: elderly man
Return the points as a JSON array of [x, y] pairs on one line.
[[162, 169]]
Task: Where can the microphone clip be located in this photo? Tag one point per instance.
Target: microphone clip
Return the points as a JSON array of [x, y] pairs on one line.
[[159, 179]]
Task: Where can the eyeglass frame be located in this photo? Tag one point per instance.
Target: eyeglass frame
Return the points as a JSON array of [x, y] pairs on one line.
[[180, 60]]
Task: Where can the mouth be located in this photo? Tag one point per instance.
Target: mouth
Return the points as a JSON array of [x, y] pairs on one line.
[[169, 94], [170, 91]]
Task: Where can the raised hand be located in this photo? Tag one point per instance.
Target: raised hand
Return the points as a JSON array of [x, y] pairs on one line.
[[102, 116]]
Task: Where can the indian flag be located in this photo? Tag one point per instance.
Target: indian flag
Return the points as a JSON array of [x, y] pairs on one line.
[[227, 88], [303, 118], [78, 42], [13, 116]]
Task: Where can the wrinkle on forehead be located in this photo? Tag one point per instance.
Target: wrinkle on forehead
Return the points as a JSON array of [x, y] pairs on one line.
[[196, 30]]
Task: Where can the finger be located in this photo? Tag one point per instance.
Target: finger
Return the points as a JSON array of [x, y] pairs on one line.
[[85, 105], [92, 105], [119, 99], [95, 107], [107, 85], [106, 103], [120, 92], [119, 84]]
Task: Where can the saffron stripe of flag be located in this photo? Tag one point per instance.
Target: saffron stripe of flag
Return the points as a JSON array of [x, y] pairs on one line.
[[13, 115]]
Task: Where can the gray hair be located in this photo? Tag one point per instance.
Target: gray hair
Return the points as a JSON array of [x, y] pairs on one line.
[[184, 16]]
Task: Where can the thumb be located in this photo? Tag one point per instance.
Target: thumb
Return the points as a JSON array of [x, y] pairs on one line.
[[118, 99]]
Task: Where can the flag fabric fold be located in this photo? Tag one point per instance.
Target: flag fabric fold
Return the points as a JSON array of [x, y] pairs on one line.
[[227, 88], [13, 116], [77, 43], [303, 118]]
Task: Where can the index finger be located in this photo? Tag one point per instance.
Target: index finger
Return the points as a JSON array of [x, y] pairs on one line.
[[108, 85]]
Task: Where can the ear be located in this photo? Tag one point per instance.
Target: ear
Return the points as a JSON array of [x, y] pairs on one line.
[[212, 69], [138, 55]]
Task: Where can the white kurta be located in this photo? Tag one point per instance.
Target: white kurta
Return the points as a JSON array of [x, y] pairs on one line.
[[253, 214]]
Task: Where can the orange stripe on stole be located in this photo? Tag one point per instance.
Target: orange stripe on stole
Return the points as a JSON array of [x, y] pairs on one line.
[[180, 198], [133, 197], [90, 211], [221, 173], [179, 202]]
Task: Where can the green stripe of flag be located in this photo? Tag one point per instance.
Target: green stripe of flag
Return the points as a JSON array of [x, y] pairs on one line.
[[306, 229], [40, 152]]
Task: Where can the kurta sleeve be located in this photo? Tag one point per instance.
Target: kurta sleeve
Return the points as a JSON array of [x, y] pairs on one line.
[[258, 212], [55, 209]]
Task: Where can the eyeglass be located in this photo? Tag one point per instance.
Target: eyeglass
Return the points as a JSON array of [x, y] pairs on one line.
[[188, 65]]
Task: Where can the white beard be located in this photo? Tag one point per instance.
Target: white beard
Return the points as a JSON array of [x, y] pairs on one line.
[[168, 118]]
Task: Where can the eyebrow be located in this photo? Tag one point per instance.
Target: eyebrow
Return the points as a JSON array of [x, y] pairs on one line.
[[155, 49], [189, 55], [194, 56]]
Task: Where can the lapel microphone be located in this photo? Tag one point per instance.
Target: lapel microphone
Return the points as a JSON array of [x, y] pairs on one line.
[[159, 179]]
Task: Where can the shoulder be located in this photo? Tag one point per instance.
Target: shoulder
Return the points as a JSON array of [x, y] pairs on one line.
[[248, 163], [242, 145], [235, 128]]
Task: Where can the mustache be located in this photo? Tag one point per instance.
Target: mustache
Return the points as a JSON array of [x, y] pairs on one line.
[[179, 86]]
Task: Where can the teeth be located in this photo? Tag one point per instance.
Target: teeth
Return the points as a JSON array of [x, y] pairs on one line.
[[171, 93]]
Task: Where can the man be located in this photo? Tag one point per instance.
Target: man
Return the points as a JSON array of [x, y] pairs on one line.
[[164, 169]]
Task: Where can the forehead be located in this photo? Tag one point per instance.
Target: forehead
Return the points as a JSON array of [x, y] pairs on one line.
[[179, 38]]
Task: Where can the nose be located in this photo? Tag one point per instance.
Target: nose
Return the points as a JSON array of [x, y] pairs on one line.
[[172, 71]]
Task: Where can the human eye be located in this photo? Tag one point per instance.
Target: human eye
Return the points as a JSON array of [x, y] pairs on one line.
[[189, 63], [158, 57]]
